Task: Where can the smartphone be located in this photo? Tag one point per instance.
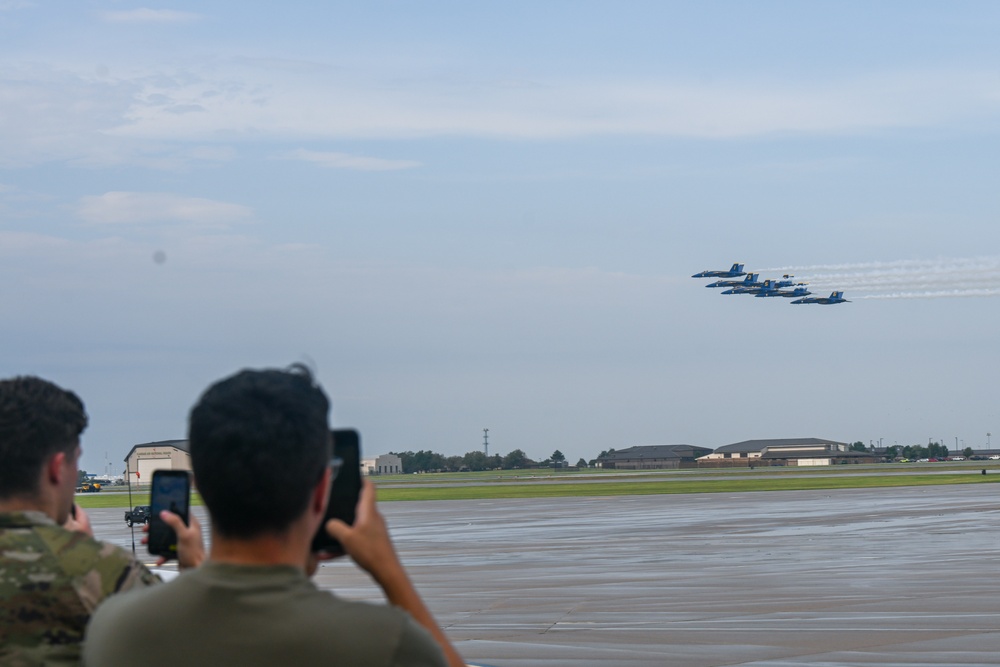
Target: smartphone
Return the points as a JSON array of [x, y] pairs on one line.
[[171, 490], [345, 490]]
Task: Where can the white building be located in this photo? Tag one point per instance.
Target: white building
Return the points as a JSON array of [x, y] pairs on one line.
[[384, 464]]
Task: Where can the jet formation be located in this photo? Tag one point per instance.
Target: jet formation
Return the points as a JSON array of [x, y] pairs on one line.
[[751, 284]]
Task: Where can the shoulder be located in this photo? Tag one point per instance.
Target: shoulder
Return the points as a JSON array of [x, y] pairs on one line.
[[377, 631], [100, 568], [52, 580], [122, 623]]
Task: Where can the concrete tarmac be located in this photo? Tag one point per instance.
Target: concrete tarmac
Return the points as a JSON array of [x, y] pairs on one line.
[[857, 577]]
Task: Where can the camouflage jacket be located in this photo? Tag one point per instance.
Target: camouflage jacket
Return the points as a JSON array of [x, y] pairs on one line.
[[51, 580]]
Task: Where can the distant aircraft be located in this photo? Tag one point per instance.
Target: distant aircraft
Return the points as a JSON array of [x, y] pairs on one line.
[[835, 297], [798, 291], [749, 281], [734, 272]]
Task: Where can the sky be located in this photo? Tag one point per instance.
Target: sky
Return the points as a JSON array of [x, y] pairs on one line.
[[487, 215]]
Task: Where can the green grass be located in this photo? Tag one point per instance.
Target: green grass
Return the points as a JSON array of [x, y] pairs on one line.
[[639, 487], [461, 487], [120, 499], [543, 475]]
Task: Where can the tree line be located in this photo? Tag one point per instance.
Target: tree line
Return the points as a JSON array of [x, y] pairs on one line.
[[428, 461]]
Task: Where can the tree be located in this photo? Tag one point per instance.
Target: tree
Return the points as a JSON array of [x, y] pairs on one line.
[[937, 450], [557, 457], [516, 459], [968, 452], [581, 463], [891, 452], [859, 447], [422, 461], [475, 461]]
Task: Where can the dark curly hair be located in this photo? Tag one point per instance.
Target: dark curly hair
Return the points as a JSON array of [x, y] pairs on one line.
[[259, 441], [37, 419]]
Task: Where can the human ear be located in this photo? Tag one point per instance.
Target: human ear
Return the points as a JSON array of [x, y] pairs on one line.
[[55, 468]]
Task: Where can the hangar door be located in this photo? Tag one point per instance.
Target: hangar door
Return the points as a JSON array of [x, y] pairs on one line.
[[147, 466]]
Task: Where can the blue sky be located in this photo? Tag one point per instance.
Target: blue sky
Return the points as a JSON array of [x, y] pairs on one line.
[[469, 215]]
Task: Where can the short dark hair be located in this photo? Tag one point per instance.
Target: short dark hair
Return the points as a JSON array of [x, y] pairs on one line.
[[37, 419], [259, 443]]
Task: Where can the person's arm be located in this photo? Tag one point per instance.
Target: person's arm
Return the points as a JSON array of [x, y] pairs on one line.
[[368, 543]]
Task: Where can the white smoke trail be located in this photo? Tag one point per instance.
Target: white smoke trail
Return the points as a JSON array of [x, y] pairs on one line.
[[905, 279]]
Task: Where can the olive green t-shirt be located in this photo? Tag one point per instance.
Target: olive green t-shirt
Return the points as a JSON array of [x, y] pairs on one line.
[[226, 615]]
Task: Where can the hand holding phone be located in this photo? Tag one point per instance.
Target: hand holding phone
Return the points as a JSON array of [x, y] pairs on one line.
[[344, 491], [171, 490]]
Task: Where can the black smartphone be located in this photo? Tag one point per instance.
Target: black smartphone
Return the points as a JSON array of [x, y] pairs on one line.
[[171, 490], [345, 490]]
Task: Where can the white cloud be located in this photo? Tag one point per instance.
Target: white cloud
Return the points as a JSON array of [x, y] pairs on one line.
[[149, 116], [255, 101], [348, 161], [146, 15], [114, 208]]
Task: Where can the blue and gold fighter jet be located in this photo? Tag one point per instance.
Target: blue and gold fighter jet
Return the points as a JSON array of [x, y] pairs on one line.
[[735, 271], [835, 297]]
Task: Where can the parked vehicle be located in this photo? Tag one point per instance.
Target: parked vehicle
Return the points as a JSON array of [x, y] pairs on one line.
[[138, 514]]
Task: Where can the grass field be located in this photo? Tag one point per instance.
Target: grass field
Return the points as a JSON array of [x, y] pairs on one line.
[[120, 499], [640, 487], [546, 484]]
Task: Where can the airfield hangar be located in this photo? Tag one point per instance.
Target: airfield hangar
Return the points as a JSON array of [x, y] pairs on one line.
[[784, 452], [143, 459], [654, 457]]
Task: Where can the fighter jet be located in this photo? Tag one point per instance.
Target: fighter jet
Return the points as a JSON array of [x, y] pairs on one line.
[[734, 272], [757, 288], [749, 281], [798, 291], [787, 283], [835, 297]]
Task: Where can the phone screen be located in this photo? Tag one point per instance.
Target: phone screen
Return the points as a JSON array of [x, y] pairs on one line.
[[345, 490], [171, 490]]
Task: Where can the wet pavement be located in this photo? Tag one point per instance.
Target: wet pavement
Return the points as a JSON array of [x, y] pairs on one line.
[[896, 576]]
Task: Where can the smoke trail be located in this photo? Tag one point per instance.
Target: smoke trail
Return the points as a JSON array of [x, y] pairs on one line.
[[905, 279]]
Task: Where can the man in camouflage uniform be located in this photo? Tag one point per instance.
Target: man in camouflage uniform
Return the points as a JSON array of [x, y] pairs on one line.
[[51, 578]]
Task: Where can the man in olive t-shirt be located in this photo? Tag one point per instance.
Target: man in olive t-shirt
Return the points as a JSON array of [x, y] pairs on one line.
[[261, 450]]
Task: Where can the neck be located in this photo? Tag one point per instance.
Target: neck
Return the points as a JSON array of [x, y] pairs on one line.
[[26, 504], [290, 547]]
